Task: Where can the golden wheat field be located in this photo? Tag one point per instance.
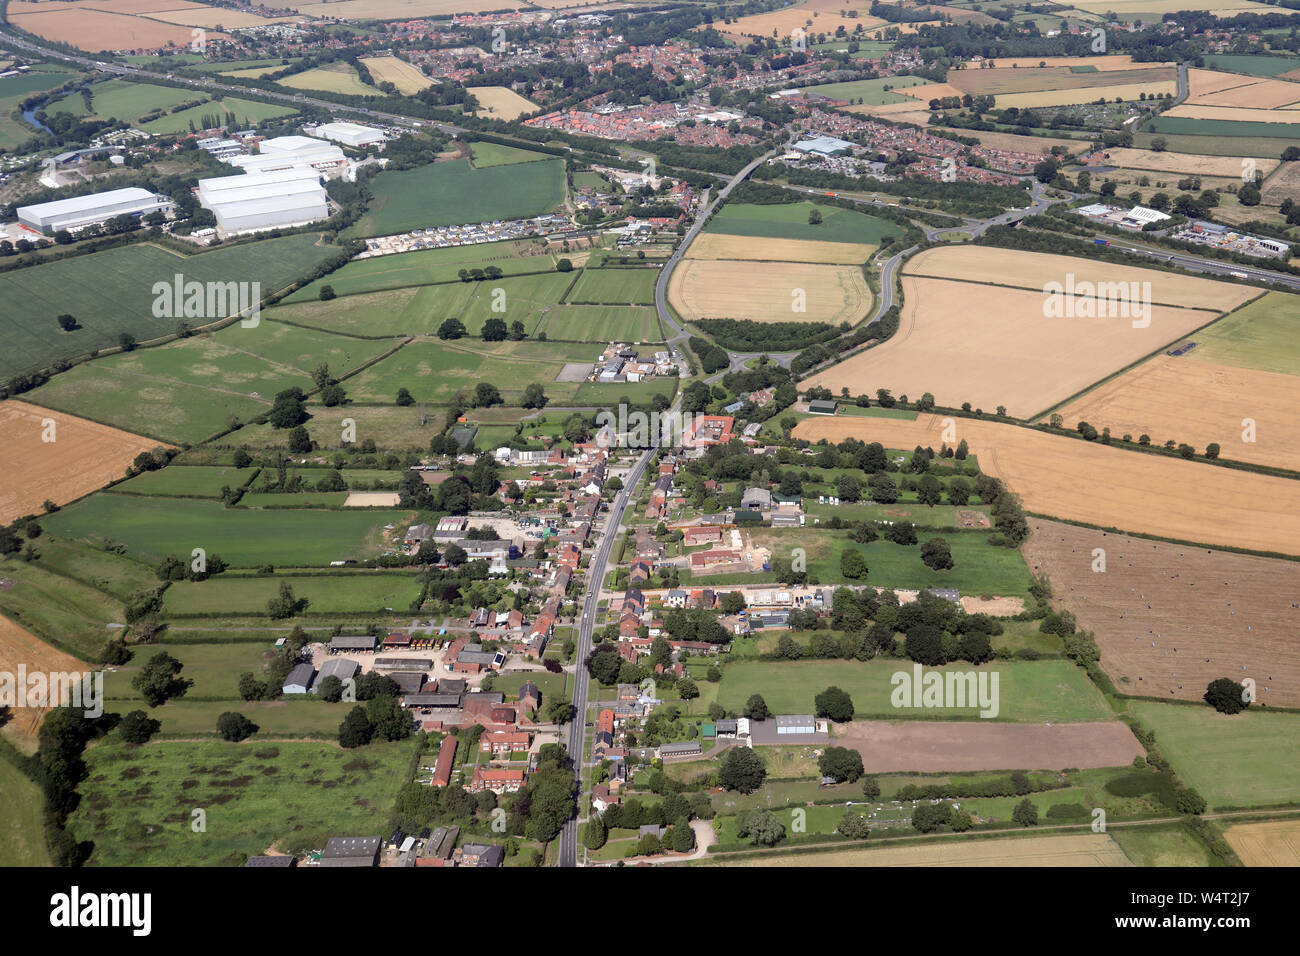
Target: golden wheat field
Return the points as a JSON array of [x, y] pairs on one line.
[[1275, 843], [1091, 849], [769, 291], [389, 69], [501, 102], [1187, 164], [713, 245], [1102, 485], [1199, 403]]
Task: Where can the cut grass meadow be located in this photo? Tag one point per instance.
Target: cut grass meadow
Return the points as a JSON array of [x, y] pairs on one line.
[[790, 221]]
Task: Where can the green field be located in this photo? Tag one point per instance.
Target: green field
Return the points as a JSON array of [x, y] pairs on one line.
[[186, 481], [872, 92], [136, 803], [151, 528], [124, 100], [790, 221], [601, 323], [1215, 145], [1264, 335], [22, 834], [1240, 131], [15, 89], [979, 568], [444, 194], [190, 389], [359, 592], [62, 612], [434, 371], [615, 286], [337, 77], [420, 311], [423, 267], [1169, 844], [1252, 64], [494, 154], [213, 668], [105, 571], [1029, 691], [1232, 761], [246, 112], [111, 292]]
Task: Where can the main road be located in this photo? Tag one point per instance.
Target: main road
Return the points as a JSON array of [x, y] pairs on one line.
[[596, 569]]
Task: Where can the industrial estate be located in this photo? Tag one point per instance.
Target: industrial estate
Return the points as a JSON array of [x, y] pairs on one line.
[[439, 433]]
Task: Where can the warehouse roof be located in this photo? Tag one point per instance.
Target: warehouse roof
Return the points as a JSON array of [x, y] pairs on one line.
[[62, 207]]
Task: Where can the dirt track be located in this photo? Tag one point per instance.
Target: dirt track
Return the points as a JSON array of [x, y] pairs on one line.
[[925, 746], [1169, 619], [1090, 482]]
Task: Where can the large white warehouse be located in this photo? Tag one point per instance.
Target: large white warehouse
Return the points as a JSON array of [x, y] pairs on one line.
[[253, 202], [351, 134], [49, 217], [285, 152]]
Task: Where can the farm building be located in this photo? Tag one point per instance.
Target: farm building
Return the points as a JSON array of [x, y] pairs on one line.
[[683, 751], [351, 851], [480, 854], [351, 134], [258, 201], [340, 667], [822, 407], [796, 724], [79, 211], [299, 679], [353, 643]]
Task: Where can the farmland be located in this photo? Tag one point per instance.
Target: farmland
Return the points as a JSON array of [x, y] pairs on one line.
[[1057, 83], [1030, 692], [130, 800], [15, 89], [444, 194], [419, 311], [1081, 850], [20, 648], [424, 267], [245, 112], [601, 323], [712, 245], [769, 291], [22, 836], [1183, 163], [500, 102], [815, 16], [111, 292], [1276, 843], [326, 594], [1262, 335], [1010, 352], [187, 481], [192, 388], [124, 100], [1169, 619], [65, 615], [1056, 476], [614, 286], [103, 24], [151, 528], [926, 746], [56, 457], [979, 568], [391, 9], [1162, 398], [876, 92], [790, 221], [1232, 761], [390, 69], [336, 77]]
